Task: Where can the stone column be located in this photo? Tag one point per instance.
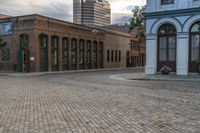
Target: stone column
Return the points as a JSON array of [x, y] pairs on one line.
[[49, 52], [151, 55], [182, 54]]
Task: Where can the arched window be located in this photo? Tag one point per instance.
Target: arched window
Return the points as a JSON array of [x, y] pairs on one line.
[[194, 47], [195, 40], [65, 46], [95, 54], [54, 53], [195, 27], [43, 41], [24, 54], [43, 52], [108, 55], [88, 53], [115, 55], [167, 29], [167, 46], [112, 56], [73, 53], [24, 41], [119, 56], [164, 2], [81, 53], [101, 54]]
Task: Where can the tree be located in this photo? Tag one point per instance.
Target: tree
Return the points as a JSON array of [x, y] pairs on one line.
[[2, 44], [138, 22]]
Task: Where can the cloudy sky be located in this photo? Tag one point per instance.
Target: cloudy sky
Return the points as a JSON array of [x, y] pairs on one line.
[[62, 9]]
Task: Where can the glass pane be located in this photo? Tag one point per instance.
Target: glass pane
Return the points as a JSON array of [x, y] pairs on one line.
[[54, 51], [163, 49], [195, 48], [43, 42], [167, 29], [24, 39], [196, 27], [55, 57], [167, 2], [88, 52], [65, 43], [81, 52], [172, 48], [73, 52], [65, 56]]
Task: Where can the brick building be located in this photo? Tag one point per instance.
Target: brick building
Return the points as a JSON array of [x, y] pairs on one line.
[[38, 43], [136, 56]]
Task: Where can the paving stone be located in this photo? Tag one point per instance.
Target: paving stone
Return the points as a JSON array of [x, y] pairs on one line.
[[93, 102]]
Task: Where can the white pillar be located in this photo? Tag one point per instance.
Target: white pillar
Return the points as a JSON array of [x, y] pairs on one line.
[[182, 54], [151, 55]]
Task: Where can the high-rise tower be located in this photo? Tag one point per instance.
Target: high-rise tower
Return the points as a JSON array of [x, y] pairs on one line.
[[91, 12]]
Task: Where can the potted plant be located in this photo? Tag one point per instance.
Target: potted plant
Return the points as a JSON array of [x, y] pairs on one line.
[[165, 70], [198, 63]]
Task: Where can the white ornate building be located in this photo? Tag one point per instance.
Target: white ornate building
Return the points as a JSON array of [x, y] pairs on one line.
[[173, 35]]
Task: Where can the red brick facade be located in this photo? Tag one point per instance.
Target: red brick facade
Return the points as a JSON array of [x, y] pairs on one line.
[[40, 43]]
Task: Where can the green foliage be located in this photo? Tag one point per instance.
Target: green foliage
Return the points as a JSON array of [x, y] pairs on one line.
[[2, 44], [138, 22]]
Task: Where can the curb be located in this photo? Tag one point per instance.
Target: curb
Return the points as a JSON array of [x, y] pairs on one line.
[[142, 77], [137, 69]]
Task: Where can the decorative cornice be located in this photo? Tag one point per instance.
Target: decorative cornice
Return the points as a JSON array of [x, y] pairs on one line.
[[173, 13]]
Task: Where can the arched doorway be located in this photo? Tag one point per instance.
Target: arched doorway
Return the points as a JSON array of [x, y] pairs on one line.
[[89, 54], [43, 44], [73, 53], [94, 56], [194, 47], [81, 54], [65, 47], [24, 54], [166, 47], [54, 53]]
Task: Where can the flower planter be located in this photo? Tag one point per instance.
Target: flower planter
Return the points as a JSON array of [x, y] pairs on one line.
[[165, 73], [165, 70]]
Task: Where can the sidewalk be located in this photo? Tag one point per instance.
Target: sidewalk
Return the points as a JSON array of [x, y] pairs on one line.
[[20, 74], [159, 77]]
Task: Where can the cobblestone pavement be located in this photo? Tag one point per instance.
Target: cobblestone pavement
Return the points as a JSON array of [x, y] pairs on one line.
[[92, 102]]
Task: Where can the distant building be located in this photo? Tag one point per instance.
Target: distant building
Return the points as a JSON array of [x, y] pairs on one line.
[[173, 35], [37, 43], [136, 56], [4, 16], [91, 12]]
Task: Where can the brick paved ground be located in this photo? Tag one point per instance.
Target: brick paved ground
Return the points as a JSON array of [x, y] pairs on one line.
[[93, 103]]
